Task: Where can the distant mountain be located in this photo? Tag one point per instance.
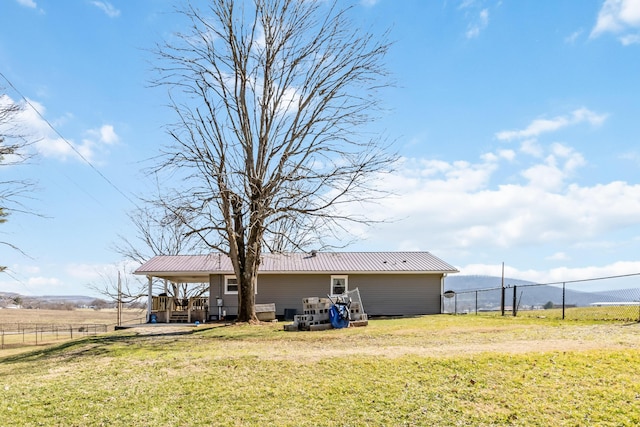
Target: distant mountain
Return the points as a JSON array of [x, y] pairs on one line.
[[466, 283], [489, 293], [78, 299], [8, 294], [45, 301]]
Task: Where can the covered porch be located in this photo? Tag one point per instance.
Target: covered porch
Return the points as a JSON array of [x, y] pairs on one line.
[[169, 309], [188, 305]]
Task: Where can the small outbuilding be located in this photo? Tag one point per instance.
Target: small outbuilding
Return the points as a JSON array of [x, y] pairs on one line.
[[390, 283]]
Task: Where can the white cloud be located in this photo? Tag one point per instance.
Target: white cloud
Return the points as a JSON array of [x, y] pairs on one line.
[[571, 38], [89, 272], [369, 3], [479, 25], [456, 207], [453, 207], [559, 256], [545, 176], [630, 39], [531, 147], [464, 4], [30, 122], [50, 144], [632, 156], [540, 126], [618, 17], [107, 8], [40, 281], [106, 134], [28, 3]]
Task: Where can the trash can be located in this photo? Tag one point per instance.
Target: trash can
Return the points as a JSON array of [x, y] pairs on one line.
[[289, 313]]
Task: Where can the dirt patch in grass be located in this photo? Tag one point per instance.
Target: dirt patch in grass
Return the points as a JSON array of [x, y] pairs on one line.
[[453, 342]]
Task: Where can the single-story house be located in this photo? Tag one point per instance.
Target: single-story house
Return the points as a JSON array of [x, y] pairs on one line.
[[390, 283]]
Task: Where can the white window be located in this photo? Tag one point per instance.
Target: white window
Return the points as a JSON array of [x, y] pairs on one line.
[[339, 285], [230, 285]]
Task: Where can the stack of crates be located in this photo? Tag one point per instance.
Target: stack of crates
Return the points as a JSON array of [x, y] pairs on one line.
[[315, 314]]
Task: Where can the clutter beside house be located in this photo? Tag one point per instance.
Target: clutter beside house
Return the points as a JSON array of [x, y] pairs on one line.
[[341, 311]]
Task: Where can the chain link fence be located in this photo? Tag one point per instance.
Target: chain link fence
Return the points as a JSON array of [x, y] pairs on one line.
[[13, 335], [606, 298]]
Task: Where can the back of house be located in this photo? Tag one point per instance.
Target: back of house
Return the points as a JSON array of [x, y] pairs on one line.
[[390, 283]]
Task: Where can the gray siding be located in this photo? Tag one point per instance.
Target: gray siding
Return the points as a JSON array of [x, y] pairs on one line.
[[382, 294], [398, 294]]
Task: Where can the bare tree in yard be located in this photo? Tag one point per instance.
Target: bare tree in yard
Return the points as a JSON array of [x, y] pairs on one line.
[[14, 150], [271, 97], [157, 232]]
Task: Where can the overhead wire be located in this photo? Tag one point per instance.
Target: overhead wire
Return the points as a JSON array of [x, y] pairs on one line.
[[75, 150]]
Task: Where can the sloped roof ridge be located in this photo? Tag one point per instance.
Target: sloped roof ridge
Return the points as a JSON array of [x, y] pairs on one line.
[[356, 261]]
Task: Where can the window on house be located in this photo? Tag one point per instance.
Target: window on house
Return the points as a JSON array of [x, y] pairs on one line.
[[339, 285], [230, 285]]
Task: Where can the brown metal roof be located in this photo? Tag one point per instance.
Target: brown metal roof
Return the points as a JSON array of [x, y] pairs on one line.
[[198, 267]]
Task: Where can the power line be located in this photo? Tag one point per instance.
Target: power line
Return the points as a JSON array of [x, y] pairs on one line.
[[6, 271], [529, 285], [75, 150], [581, 280]]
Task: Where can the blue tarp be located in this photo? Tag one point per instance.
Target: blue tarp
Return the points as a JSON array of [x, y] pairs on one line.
[[339, 320]]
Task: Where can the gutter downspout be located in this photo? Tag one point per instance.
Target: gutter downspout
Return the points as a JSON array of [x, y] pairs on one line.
[[442, 292]]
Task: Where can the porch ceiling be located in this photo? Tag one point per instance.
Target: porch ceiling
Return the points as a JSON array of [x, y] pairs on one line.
[[177, 277]]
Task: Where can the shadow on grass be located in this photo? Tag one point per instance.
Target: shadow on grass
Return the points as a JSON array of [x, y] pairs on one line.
[[89, 346]]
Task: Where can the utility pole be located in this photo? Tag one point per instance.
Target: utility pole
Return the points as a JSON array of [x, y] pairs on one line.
[[119, 300], [502, 294]]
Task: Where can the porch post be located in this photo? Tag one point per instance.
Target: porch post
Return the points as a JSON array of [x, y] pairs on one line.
[[149, 299], [166, 305]]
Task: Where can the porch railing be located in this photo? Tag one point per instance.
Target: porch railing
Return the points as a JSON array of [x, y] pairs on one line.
[[185, 309]]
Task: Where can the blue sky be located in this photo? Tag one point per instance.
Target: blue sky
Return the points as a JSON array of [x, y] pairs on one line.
[[517, 123]]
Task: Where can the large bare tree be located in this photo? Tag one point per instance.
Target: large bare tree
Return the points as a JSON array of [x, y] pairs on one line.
[[271, 98]]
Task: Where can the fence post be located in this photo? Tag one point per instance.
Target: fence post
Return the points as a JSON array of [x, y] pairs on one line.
[[563, 294], [514, 309], [476, 303]]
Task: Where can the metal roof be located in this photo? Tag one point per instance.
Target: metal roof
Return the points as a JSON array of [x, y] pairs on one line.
[[197, 268]]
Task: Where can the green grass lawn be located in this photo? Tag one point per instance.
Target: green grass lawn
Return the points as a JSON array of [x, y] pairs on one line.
[[432, 370]]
